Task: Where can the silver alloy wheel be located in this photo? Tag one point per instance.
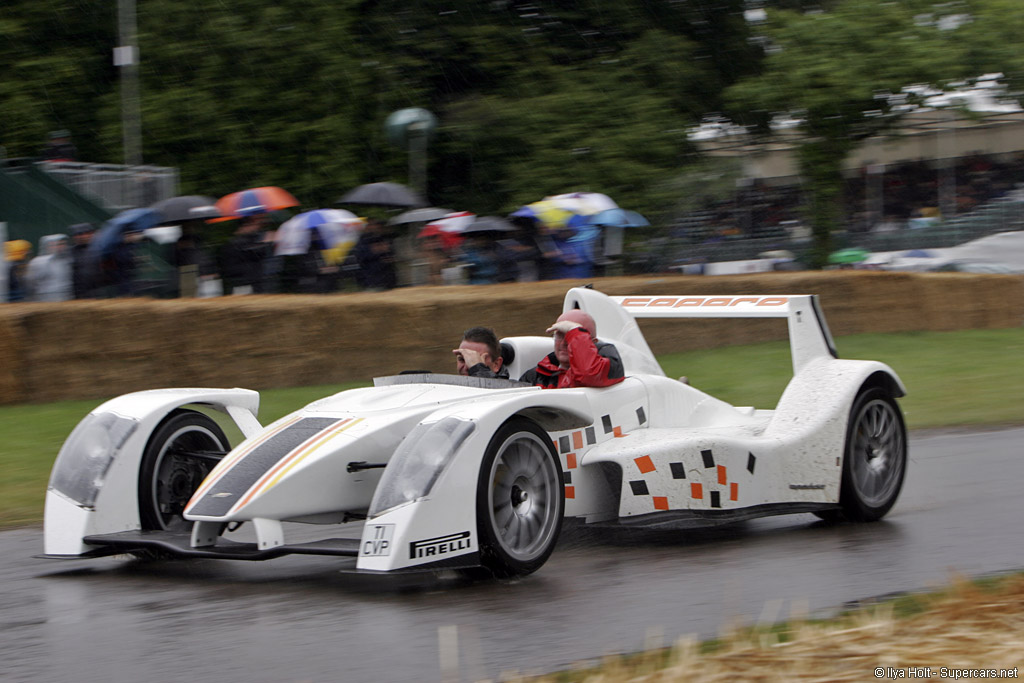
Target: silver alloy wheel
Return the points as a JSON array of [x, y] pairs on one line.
[[523, 497], [877, 452]]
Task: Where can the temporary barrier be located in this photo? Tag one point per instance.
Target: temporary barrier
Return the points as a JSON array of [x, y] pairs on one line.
[[95, 349]]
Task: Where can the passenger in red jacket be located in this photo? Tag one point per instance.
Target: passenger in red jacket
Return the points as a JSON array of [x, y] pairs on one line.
[[579, 360]]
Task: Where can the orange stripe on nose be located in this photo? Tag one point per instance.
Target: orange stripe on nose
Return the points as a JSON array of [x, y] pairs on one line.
[[221, 468], [734, 491], [721, 475], [270, 478], [697, 491], [570, 491], [660, 503], [570, 461], [577, 440]]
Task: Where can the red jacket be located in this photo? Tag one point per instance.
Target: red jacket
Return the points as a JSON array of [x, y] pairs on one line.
[[590, 365]]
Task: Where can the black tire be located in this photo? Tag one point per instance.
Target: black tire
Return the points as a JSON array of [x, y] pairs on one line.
[[181, 452], [520, 500], [875, 459]]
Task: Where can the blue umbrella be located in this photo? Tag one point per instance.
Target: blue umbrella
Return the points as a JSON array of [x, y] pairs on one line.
[[589, 233], [132, 220], [321, 229], [619, 218]]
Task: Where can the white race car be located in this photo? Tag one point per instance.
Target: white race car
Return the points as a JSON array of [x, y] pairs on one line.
[[464, 472]]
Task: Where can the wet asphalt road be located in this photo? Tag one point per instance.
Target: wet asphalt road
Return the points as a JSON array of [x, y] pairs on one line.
[[297, 619]]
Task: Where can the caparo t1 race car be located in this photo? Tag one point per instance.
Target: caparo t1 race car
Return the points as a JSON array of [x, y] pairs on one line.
[[467, 472]]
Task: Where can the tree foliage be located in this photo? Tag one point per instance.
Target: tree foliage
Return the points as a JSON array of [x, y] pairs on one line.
[[532, 98], [551, 96], [837, 70]]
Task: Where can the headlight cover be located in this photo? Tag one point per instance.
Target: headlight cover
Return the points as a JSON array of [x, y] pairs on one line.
[[418, 461], [86, 456]]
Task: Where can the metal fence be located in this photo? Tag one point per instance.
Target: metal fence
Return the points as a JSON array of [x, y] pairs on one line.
[[679, 253], [114, 186]]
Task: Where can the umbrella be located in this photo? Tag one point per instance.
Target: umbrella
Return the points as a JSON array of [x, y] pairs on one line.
[[553, 216], [430, 213], [335, 227], [132, 220], [488, 224], [186, 208], [449, 228], [851, 255], [583, 203], [619, 218], [383, 194], [254, 201], [452, 223]]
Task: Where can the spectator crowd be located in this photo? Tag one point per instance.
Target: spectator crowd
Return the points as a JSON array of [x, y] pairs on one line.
[[877, 198], [73, 266]]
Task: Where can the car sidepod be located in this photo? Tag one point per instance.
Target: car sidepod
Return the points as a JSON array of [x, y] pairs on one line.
[[703, 460]]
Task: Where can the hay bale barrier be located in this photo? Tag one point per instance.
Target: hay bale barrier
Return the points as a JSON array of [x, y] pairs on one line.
[[98, 349], [11, 354]]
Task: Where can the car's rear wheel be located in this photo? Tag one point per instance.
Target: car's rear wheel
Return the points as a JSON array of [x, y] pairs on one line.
[[180, 453], [875, 460], [520, 500]]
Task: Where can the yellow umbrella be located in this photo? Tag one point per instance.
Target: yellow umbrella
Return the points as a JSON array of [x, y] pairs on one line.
[[550, 214]]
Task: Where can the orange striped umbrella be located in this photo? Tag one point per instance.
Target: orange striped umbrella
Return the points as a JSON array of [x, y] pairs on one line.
[[253, 201]]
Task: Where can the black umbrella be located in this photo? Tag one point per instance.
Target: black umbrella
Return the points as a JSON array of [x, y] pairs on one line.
[[425, 215], [488, 224], [383, 194], [186, 208]]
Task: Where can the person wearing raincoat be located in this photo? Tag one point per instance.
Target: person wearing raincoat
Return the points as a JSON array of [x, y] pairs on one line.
[[49, 275], [572, 257], [83, 271], [16, 253]]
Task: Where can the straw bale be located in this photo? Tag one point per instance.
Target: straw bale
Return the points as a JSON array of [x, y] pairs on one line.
[[957, 301], [94, 349], [11, 370]]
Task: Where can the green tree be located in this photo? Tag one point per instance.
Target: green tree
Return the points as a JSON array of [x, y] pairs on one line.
[[531, 99], [239, 96], [989, 39], [569, 95], [55, 58], [835, 70]]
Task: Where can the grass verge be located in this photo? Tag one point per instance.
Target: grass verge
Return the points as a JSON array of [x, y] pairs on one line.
[[967, 378], [966, 626]]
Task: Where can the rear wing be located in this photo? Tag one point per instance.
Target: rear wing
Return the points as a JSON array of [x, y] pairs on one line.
[[809, 336]]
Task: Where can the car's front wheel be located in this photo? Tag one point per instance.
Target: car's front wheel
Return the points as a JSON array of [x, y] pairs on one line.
[[875, 459], [520, 500], [180, 453]]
